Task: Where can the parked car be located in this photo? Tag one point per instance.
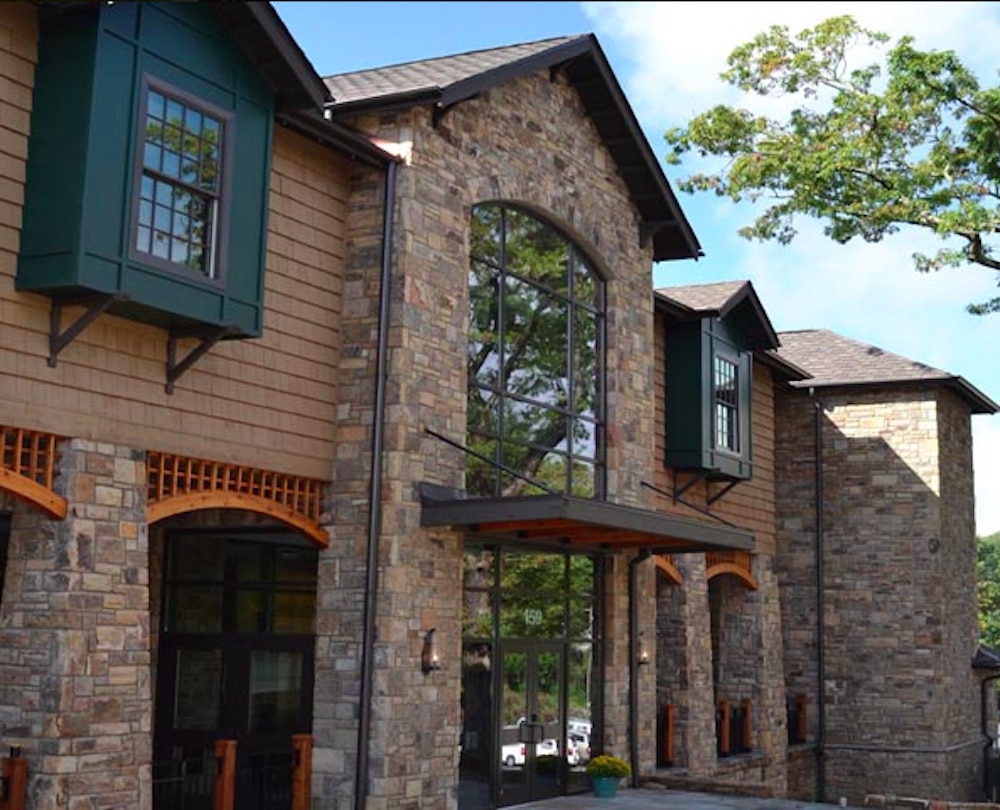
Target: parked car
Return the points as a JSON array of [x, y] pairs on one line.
[[579, 725], [512, 755], [580, 744]]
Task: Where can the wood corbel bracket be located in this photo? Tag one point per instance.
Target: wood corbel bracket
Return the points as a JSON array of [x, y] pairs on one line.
[[95, 307], [207, 339]]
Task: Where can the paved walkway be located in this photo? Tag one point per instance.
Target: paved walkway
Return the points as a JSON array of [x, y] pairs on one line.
[[654, 799]]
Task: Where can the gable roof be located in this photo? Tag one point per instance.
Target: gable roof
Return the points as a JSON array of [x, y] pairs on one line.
[[265, 41], [449, 80], [835, 360], [262, 37], [719, 300]]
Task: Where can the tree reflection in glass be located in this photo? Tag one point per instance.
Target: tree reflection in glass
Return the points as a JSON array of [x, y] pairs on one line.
[[536, 321]]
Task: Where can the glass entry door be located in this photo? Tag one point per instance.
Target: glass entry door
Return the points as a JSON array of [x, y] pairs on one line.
[[532, 728], [235, 662]]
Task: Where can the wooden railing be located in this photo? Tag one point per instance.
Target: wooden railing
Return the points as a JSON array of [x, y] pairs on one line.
[[667, 734], [195, 782], [734, 728], [14, 776]]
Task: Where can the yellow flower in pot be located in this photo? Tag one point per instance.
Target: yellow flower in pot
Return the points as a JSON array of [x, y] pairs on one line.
[[605, 772]]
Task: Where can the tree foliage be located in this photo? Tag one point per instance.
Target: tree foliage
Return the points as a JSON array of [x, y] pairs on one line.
[[866, 150], [988, 587]]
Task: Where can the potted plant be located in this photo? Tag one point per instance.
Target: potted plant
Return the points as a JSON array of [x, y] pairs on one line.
[[605, 772]]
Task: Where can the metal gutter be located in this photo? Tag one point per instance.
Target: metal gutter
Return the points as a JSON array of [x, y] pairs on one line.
[[820, 502], [375, 495], [337, 135]]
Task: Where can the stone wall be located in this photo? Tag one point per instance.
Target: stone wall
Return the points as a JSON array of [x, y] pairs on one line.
[[74, 636], [527, 142], [899, 587]]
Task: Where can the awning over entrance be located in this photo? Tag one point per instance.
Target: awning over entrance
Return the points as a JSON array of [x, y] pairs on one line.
[[575, 521]]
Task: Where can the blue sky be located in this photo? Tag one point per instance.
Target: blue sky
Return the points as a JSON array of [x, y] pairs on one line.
[[667, 57]]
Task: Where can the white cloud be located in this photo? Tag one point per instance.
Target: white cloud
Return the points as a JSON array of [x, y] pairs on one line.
[[985, 451], [675, 51], [668, 56]]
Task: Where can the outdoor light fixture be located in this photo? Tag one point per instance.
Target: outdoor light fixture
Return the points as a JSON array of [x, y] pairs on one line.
[[643, 656], [429, 657]]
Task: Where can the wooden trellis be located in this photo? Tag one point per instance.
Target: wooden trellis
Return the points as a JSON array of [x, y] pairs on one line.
[[737, 563], [179, 484], [27, 468]]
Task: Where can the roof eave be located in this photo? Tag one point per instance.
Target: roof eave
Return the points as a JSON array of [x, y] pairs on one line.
[[676, 226], [386, 102], [664, 226], [788, 370], [313, 125], [255, 25], [979, 402]]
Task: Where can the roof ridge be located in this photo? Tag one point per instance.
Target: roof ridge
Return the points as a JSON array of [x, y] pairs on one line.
[[433, 59]]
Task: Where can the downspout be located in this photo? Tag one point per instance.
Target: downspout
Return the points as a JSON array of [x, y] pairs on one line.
[[820, 601], [375, 494], [633, 661]]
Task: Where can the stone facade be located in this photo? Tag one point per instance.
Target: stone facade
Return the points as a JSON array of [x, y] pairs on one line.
[[901, 699], [74, 636], [528, 142], [82, 596]]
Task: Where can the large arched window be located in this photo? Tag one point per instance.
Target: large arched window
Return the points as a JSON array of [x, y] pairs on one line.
[[536, 360]]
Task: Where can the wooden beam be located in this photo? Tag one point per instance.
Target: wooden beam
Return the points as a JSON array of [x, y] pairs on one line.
[[197, 501], [27, 490]]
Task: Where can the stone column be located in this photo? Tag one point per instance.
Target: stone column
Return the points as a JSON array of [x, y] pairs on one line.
[[689, 660], [74, 636]]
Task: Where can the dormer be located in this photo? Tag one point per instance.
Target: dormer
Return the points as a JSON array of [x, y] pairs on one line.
[[149, 158], [712, 334]]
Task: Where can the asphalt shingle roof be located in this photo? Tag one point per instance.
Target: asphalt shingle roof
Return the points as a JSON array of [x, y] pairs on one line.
[[711, 297], [432, 74], [835, 360], [724, 299], [446, 81]]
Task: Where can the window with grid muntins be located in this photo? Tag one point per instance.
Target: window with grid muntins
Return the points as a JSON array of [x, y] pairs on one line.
[[727, 404], [179, 188]]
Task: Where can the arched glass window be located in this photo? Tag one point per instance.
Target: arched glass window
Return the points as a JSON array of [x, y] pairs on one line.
[[536, 417]]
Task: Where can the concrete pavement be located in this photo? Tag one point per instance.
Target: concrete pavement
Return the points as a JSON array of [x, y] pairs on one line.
[[664, 799]]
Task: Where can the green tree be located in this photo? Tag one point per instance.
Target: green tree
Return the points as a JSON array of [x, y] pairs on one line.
[[865, 150], [988, 588]]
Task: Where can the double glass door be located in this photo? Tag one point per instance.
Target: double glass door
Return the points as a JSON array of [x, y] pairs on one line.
[[533, 729]]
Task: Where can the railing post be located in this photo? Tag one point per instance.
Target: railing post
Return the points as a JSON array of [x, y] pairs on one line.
[[747, 725], [302, 745], [15, 781], [225, 775], [724, 728], [668, 734], [801, 725]]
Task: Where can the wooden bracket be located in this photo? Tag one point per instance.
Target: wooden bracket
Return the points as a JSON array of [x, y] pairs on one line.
[[713, 497], [96, 306], [175, 367], [649, 228]]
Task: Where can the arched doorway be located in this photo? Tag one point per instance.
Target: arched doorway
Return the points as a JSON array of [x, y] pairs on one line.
[[234, 554]]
